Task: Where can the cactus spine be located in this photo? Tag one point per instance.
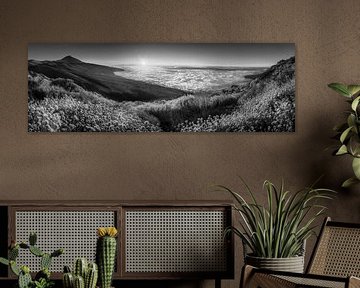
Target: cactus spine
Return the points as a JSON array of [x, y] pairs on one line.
[[105, 254]]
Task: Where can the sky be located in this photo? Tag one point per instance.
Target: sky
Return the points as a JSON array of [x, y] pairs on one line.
[[202, 54]]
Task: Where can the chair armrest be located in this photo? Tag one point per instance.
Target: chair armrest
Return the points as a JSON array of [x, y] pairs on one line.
[[354, 282], [254, 277]]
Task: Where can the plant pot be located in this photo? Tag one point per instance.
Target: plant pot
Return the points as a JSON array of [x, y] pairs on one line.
[[291, 264]]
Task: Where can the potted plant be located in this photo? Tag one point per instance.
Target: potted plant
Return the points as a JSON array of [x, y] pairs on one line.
[[42, 278], [348, 132], [274, 235]]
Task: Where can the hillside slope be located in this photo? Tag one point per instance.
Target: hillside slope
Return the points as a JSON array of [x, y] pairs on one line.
[[101, 79], [265, 104]]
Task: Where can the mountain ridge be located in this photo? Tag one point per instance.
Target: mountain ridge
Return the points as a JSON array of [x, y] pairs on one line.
[[101, 79]]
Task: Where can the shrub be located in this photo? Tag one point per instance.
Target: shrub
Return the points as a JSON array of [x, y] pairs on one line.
[[70, 108]]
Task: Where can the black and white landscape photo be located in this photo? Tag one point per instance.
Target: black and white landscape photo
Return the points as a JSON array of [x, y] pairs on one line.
[[161, 87]]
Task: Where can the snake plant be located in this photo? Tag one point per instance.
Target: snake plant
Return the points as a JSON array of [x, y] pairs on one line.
[[278, 229]]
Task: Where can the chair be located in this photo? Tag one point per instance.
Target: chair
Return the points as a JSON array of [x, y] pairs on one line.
[[335, 262]]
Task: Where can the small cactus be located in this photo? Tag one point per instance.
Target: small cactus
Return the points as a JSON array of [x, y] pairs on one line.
[[68, 278], [23, 273], [57, 252], [24, 278], [36, 251], [79, 282], [89, 272], [13, 253], [45, 261], [91, 276], [81, 266], [24, 245], [44, 273], [32, 239], [14, 268], [105, 254]]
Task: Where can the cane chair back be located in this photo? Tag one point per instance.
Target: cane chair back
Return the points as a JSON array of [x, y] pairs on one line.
[[337, 252], [335, 262]]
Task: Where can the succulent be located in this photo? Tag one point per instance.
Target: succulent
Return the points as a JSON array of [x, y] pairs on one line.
[[81, 266], [68, 278], [85, 275], [79, 282], [24, 277], [42, 278], [91, 276], [105, 254]]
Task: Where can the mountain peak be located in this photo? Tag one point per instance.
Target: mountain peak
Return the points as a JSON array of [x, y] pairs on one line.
[[70, 59]]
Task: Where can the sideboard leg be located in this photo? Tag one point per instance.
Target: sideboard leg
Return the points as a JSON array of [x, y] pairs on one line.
[[217, 283]]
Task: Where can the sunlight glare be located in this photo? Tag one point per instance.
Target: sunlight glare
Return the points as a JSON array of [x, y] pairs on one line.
[[143, 62]]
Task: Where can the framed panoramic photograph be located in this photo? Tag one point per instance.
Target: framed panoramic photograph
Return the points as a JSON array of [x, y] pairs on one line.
[[123, 87]]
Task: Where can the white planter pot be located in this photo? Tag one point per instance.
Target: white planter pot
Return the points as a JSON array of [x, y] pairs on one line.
[[291, 264]]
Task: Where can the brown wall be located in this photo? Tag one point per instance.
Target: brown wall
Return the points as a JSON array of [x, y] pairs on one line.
[[179, 166]]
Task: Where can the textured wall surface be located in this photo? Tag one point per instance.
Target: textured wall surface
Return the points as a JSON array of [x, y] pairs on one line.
[[180, 166]]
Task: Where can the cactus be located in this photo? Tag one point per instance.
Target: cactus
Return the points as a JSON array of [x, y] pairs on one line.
[[32, 239], [36, 251], [57, 253], [13, 253], [91, 276], [79, 282], [105, 254], [23, 273], [14, 268], [45, 261], [68, 278], [24, 245], [24, 277], [87, 272], [43, 274], [81, 266]]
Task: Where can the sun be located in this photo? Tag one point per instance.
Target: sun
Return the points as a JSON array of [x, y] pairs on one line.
[[143, 62]]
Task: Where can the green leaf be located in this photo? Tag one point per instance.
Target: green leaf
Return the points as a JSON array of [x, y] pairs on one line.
[[350, 182], [351, 120], [353, 89], [353, 145], [342, 150], [340, 88], [355, 103], [356, 167], [4, 261], [345, 134]]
